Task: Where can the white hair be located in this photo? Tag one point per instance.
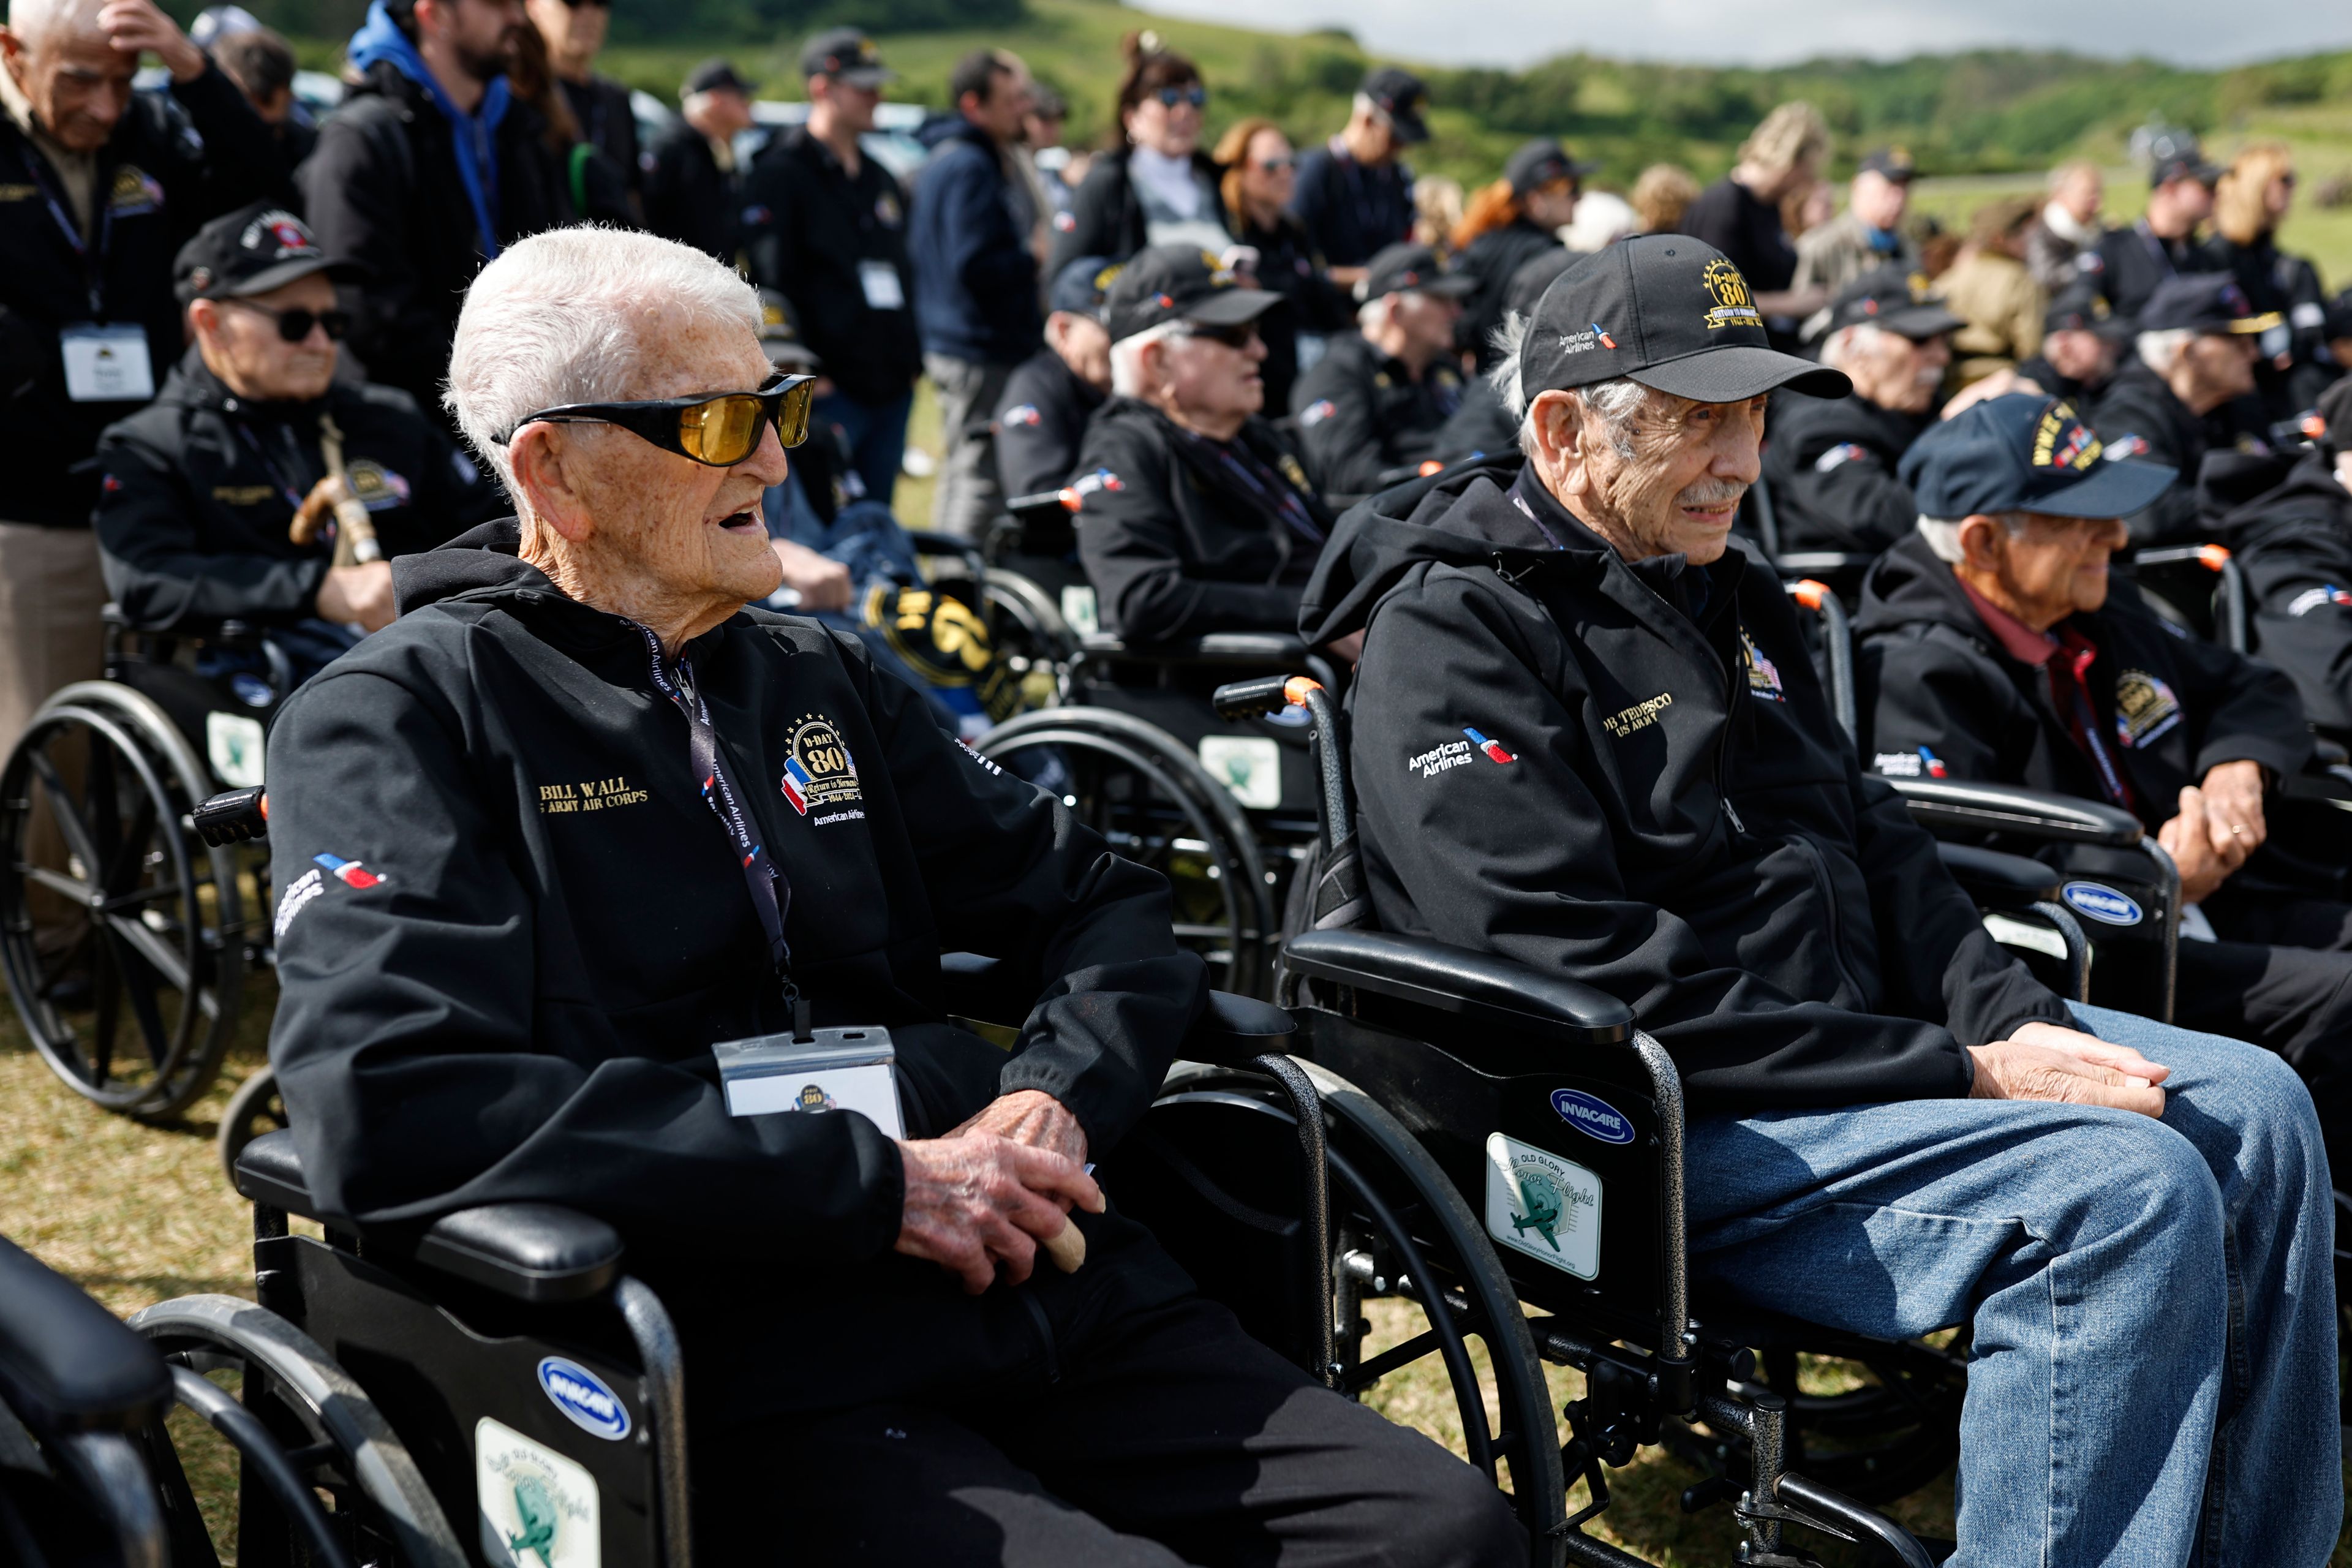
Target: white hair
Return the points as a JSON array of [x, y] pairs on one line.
[[1850, 343], [562, 317], [1373, 313], [1617, 401], [1943, 533], [2159, 349], [33, 21], [1127, 357]]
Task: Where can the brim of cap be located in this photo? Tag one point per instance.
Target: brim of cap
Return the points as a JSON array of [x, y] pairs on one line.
[[287, 272], [867, 76], [1741, 371], [1453, 285], [2119, 488], [1232, 306], [1408, 127], [1919, 322], [2252, 324]]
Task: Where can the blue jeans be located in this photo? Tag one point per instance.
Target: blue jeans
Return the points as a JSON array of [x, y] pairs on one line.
[[876, 435], [2153, 1374]]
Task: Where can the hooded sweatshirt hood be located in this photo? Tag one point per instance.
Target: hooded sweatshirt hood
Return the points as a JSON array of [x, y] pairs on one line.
[[1461, 517], [1911, 583], [485, 561], [474, 136]]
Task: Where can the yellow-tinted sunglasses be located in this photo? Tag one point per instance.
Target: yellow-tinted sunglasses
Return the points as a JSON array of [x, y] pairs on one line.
[[720, 430]]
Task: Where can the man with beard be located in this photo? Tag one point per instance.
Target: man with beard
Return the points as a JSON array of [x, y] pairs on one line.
[[428, 169]]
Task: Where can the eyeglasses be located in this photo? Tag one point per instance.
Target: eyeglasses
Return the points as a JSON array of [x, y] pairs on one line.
[[1238, 336], [1277, 166], [1196, 95], [718, 431], [295, 325]]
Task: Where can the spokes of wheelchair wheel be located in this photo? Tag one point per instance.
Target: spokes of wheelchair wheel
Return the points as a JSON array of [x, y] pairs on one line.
[[103, 920]]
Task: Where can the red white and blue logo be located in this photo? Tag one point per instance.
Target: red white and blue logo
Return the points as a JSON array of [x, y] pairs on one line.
[[1606, 340], [2312, 599], [1314, 414], [797, 783], [351, 873], [1494, 748], [1933, 764]]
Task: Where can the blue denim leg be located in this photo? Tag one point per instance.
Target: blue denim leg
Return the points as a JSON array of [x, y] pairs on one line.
[[2097, 1254], [876, 433]]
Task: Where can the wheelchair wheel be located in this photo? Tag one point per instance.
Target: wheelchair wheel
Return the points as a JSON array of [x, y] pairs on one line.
[[326, 1428], [1892, 1433], [120, 935], [1151, 799], [255, 1108]]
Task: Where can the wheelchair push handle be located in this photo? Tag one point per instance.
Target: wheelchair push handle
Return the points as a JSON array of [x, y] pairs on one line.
[[237, 816], [1266, 694]]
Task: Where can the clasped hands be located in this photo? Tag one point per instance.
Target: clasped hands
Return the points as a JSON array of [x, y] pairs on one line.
[[2218, 827], [988, 1194]]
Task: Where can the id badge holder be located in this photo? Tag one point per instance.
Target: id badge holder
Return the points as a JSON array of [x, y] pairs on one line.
[[106, 363], [880, 281], [833, 1069]]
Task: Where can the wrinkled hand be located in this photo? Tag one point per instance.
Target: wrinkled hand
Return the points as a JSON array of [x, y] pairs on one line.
[[358, 595], [2201, 846], [1033, 1117], [975, 1202], [2233, 804], [1999, 384], [135, 26], [822, 581], [2042, 1062]]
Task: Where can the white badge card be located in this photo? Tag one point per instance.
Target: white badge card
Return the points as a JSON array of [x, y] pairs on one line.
[[834, 1069], [106, 365], [883, 291]]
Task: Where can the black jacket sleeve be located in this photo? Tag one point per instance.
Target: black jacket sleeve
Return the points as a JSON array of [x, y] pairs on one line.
[[2299, 624], [1831, 493], [2127, 409], [2241, 710], [239, 162], [1344, 453], [404, 1035], [1035, 448], [1915, 688], [356, 190], [1131, 542], [1522, 861], [1098, 223], [158, 565]]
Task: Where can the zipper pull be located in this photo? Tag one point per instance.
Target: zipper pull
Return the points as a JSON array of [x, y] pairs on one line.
[[1733, 811]]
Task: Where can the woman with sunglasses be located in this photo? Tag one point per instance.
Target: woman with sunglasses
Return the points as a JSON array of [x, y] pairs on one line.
[[2249, 203], [1260, 171], [1156, 187]]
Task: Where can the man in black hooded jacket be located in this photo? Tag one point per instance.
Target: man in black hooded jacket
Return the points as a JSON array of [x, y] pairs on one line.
[[1587, 738]]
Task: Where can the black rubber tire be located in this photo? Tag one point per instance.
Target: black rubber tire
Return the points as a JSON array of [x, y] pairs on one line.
[[255, 1108]]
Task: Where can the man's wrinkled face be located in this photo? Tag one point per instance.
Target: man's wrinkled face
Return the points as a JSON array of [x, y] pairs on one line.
[[1879, 202], [2223, 367], [243, 347], [1672, 480], [1211, 381], [2057, 567], [1897, 374], [1428, 321], [2079, 356], [78, 82], [1084, 344]]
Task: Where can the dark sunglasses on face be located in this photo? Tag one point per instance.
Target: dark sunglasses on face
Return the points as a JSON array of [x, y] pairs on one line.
[[1238, 336], [295, 325], [718, 430], [1277, 166], [1196, 95], [575, 4]]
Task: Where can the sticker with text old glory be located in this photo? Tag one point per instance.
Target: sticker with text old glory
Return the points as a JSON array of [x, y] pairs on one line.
[[1543, 1206], [538, 1509]]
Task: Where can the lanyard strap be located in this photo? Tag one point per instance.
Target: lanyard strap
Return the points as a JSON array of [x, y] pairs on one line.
[[92, 257], [2076, 661], [1263, 483], [293, 497], [771, 894]]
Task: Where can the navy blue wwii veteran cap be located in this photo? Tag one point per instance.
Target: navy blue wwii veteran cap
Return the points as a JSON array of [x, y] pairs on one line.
[[2025, 452], [1666, 310], [1180, 283], [1078, 288]]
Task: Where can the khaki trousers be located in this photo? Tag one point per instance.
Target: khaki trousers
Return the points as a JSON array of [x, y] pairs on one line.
[[50, 594]]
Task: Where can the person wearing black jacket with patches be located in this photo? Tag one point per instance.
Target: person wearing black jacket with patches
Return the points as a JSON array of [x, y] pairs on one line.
[[1193, 516], [1527, 208], [1586, 735], [2172, 402], [1050, 396], [586, 816], [693, 190], [1990, 642], [1483, 425], [1830, 464], [1377, 399]]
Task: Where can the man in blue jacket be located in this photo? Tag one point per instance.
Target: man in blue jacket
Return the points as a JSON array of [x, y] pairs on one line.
[[975, 278]]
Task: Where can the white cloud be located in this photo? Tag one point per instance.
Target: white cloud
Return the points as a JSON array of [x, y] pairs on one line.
[[1739, 32]]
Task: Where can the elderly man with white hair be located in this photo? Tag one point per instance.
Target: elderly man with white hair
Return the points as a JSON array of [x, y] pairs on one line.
[[1892, 1127], [99, 189], [1193, 515], [586, 816], [1376, 400]]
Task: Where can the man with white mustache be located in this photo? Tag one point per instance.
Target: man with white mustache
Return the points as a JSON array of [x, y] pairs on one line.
[[1831, 463]]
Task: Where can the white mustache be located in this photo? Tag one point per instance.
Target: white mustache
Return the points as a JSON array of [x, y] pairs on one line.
[[1712, 493]]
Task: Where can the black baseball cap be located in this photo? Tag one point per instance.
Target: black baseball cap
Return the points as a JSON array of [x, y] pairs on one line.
[[1892, 299], [2081, 308], [1669, 312], [1079, 287], [715, 76], [847, 54], [2174, 155], [2335, 412], [1406, 267], [2203, 302], [2025, 452], [1179, 283], [1399, 94], [1892, 162], [780, 334], [1539, 163], [251, 251]]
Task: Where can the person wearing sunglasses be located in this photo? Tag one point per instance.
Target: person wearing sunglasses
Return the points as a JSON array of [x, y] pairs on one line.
[[199, 489], [1259, 179], [1374, 404], [1157, 186]]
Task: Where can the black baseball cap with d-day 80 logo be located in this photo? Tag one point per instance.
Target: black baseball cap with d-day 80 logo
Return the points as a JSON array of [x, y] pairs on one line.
[[1668, 312]]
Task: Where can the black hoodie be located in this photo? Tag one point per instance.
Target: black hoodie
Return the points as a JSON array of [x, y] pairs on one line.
[[530, 929], [2289, 522], [1630, 774], [1831, 464]]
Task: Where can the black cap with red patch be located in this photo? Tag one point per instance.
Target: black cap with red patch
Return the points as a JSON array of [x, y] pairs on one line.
[[1180, 283], [251, 251]]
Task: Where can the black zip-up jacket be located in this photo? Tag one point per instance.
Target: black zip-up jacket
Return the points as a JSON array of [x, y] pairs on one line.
[[1289, 264], [1831, 463], [2131, 262], [1494, 259], [1175, 544], [1481, 427], [2288, 520], [382, 191], [193, 505], [689, 198], [517, 999], [1929, 673], [2139, 403], [808, 225], [1351, 210], [1105, 216], [1681, 822], [1040, 421], [607, 122], [160, 178], [1362, 412]]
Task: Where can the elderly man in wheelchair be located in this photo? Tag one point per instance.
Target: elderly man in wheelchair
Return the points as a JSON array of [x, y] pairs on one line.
[[601, 891], [1586, 736]]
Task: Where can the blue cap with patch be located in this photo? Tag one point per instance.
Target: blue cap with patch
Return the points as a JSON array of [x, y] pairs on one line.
[[2025, 453]]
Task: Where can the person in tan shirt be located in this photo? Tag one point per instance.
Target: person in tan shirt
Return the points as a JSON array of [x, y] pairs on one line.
[[1990, 287]]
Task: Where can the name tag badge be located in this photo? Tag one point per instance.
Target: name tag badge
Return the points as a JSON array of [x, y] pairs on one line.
[[883, 291], [834, 1069], [106, 365]]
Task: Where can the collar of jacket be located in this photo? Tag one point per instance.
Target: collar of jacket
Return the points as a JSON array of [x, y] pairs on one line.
[[1912, 585], [1656, 581]]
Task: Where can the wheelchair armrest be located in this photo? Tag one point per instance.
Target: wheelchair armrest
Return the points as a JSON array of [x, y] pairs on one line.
[[1478, 987], [539, 1253], [1277, 649], [1968, 806], [976, 986], [2000, 881], [1234, 1029], [68, 1365], [1820, 562]]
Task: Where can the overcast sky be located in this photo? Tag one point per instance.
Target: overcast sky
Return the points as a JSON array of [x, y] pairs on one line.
[[1774, 32]]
